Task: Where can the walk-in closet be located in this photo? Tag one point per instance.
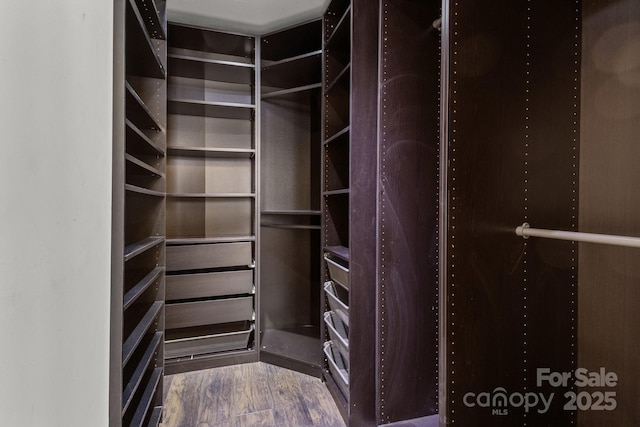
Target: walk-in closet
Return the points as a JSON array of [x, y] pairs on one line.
[[369, 212]]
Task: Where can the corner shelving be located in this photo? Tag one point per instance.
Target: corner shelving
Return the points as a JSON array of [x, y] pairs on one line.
[[291, 80]]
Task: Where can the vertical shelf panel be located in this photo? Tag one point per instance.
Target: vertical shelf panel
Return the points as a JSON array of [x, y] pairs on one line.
[[408, 220]]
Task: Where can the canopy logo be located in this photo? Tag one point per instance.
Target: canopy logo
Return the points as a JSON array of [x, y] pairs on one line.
[[499, 401]]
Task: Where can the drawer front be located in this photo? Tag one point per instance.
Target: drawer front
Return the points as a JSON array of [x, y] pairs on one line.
[[201, 285], [188, 314], [215, 255]]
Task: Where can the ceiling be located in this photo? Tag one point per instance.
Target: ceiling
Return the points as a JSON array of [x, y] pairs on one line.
[[255, 17]]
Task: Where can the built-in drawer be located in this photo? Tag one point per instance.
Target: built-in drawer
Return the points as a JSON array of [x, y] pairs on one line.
[[338, 333], [214, 255], [212, 339], [202, 285], [337, 367], [338, 273], [337, 302], [188, 314]]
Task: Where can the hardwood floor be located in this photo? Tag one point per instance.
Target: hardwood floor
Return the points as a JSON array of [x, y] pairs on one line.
[[250, 395]]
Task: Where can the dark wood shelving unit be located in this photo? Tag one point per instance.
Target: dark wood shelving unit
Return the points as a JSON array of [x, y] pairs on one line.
[[291, 74], [380, 139], [139, 218], [211, 199]]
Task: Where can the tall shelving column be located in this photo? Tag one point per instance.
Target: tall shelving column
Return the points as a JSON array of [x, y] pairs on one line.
[[144, 214], [290, 197], [381, 135], [336, 197], [211, 199]]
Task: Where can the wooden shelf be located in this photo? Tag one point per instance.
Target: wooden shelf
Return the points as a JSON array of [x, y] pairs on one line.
[[137, 248], [344, 74], [212, 195], [303, 70], [292, 42], [226, 110], [142, 367], [211, 69], [340, 37], [198, 39], [283, 92], [204, 240], [292, 212], [152, 20], [132, 342], [336, 192], [138, 142], [290, 226], [140, 288], [337, 135], [144, 191], [138, 112], [147, 398], [142, 58], [212, 152], [142, 166], [156, 416]]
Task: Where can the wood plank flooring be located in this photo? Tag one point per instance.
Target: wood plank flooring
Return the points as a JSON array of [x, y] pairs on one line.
[[249, 395]]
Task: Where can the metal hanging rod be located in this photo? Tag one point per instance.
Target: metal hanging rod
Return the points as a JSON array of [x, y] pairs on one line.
[[525, 231]]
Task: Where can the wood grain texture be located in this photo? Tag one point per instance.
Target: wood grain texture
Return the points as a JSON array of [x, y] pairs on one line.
[[608, 317], [255, 394]]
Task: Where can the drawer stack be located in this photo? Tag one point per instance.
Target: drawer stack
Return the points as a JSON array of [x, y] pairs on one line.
[[211, 290], [336, 319]]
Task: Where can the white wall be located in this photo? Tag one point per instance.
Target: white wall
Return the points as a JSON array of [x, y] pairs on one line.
[[55, 211]]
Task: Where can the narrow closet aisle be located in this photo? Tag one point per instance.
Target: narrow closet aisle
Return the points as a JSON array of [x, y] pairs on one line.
[[254, 394]]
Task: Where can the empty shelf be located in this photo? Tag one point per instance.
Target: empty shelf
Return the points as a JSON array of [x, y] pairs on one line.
[[141, 57], [147, 398], [138, 112], [212, 195], [212, 152], [142, 166], [151, 17], [337, 135], [211, 69], [226, 110], [199, 240], [139, 332], [291, 226], [137, 248], [336, 192], [141, 369], [283, 92], [138, 142], [292, 212], [141, 190], [142, 286]]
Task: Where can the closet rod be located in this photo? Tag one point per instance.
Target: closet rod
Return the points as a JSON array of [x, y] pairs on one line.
[[525, 231]]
